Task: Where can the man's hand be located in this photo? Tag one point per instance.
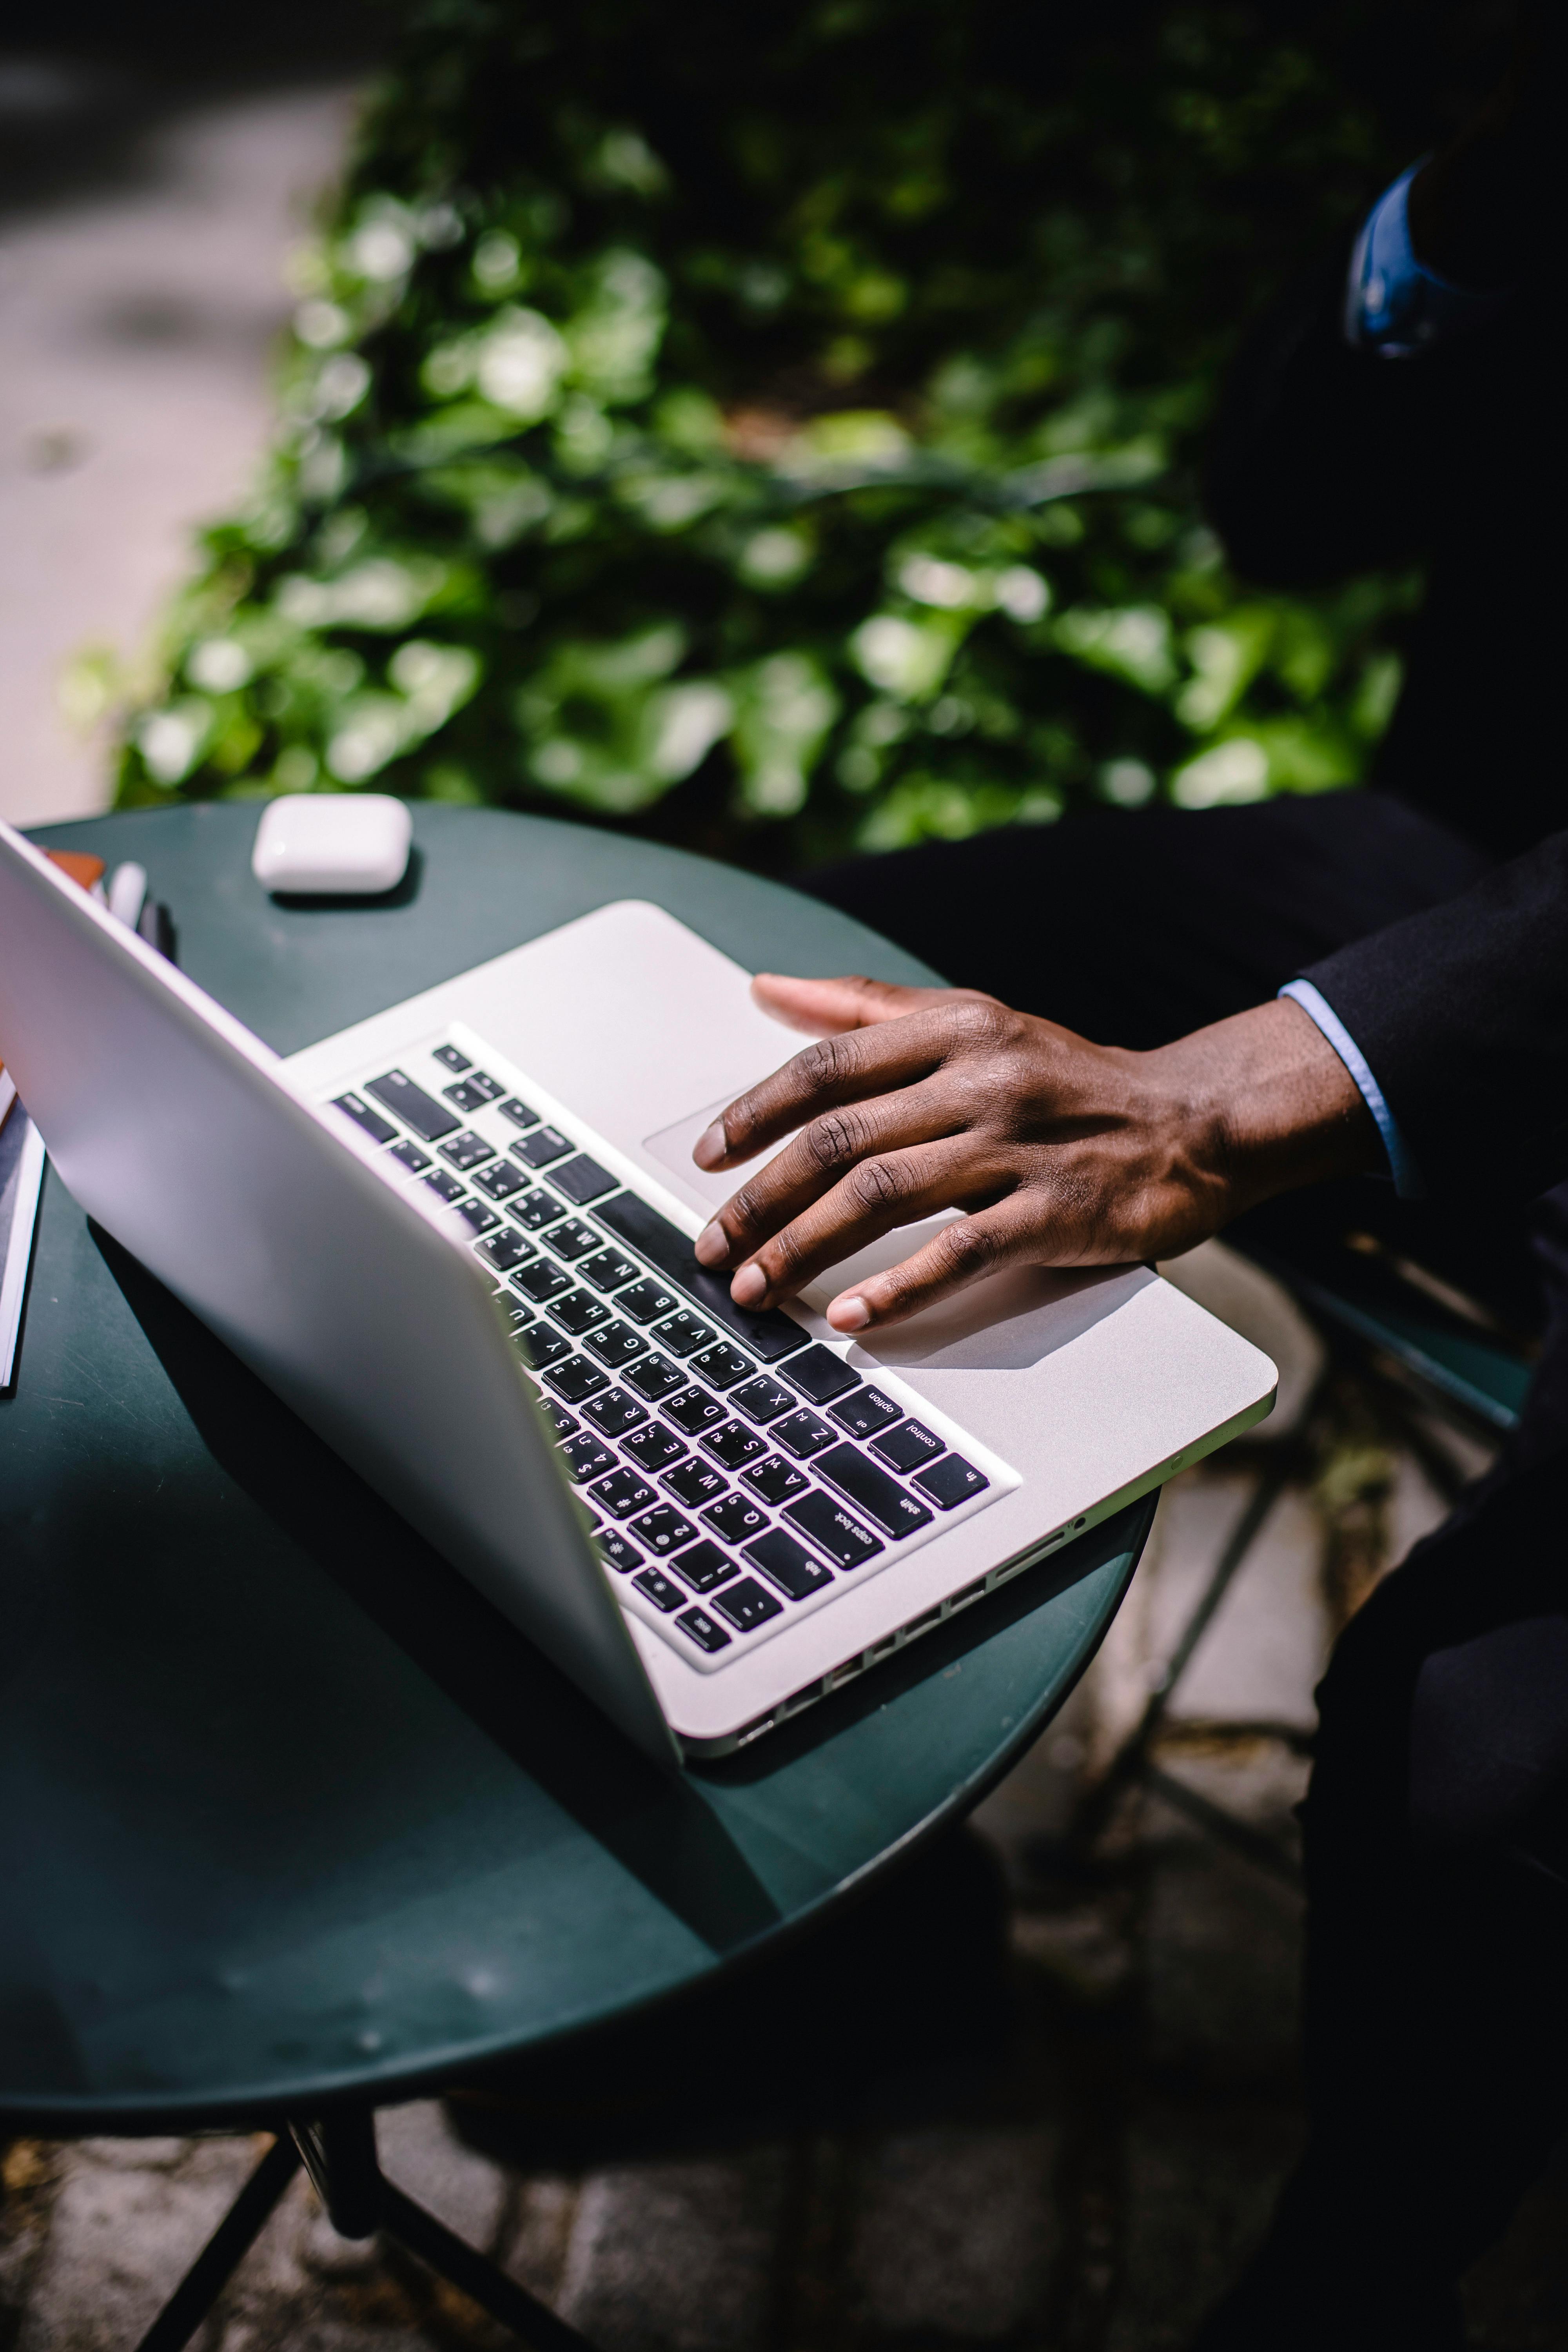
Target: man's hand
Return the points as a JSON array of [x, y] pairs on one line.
[[1059, 1152]]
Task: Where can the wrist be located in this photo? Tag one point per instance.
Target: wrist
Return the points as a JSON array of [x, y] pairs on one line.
[[1266, 1106]]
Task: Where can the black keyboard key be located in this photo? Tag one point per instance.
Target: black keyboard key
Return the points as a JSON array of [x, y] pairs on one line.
[[654, 1448], [475, 1214], [582, 1180], [880, 1497], [409, 1156], [694, 1412], [518, 1316], [654, 1377], [746, 1605], [659, 1590], [700, 1626], [821, 1375], [723, 1366], [472, 1094], [615, 1413], [446, 1186], [536, 1210], [768, 1335], [607, 1271], [950, 1482], [579, 1312], [734, 1518], [665, 1530], [761, 1400], [505, 1250], [618, 1550], [908, 1448], [646, 1301], [694, 1482], [540, 1281], [803, 1434], [617, 1344], [865, 1413], [576, 1378], [682, 1334], [832, 1530], [466, 1151], [776, 1480], [586, 1458], [572, 1240], [543, 1346], [354, 1107], [559, 1419], [703, 1566], [539, 1150], [788, 1564], [500, 1182], [734, 1445], [450, 1058], [517, 1112], [622, 1493], [397, 1093]]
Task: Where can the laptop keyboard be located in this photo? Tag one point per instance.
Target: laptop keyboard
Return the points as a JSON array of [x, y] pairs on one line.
[[735, 1471]]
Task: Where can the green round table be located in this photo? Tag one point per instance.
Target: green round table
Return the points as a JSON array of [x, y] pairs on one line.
[[291, 1824]]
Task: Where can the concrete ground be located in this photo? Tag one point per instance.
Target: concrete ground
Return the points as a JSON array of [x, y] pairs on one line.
[[1093, 2197]]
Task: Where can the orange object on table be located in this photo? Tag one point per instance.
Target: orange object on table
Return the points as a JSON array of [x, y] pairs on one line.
[[78, 865]]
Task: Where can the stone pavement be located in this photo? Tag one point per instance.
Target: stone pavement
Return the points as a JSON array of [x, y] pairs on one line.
[[1092, 2196]]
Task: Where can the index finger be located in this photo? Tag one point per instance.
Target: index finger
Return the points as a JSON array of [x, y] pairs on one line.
[[835, 1070]]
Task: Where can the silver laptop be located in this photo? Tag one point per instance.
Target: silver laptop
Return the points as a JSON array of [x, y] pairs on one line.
[[457, 1240]]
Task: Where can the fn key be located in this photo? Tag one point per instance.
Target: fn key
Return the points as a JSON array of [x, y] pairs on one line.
[[949, 1482]]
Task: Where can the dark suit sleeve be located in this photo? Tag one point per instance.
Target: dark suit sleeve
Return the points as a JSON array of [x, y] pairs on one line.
[[1462, 1015], [1325, 461]]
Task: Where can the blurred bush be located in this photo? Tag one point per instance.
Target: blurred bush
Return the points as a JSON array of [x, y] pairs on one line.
[[776, 430]]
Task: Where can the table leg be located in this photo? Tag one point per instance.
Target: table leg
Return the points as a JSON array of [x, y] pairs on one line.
[[340, 2154], [210, 2272]]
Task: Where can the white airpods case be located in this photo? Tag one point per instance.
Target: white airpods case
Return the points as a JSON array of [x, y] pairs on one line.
[[352, 844]]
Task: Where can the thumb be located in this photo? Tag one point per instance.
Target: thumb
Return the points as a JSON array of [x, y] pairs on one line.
[[825, 1008]]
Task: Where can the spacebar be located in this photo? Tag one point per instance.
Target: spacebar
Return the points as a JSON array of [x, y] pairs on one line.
[[769, 1336]]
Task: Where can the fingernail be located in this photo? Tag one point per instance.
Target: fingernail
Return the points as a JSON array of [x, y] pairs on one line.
[[750, 1284], [710, 1145], [849, 1314], [712, 1245]]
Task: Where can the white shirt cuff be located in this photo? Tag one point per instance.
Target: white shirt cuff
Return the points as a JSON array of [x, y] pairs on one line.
[[1401, 1167]]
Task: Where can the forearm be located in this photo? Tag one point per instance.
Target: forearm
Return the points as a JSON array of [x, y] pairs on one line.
[[1462, 1016]]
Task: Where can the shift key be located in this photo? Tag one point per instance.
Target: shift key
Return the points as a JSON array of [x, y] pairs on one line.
[[880, 1497]]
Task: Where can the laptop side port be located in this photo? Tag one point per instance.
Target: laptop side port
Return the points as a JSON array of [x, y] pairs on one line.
[[918, 1624]]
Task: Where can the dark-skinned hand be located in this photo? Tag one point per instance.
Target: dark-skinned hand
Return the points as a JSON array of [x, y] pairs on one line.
[[1059, 1152]]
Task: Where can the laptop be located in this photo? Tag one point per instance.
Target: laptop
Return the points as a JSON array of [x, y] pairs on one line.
[[457, 1238]]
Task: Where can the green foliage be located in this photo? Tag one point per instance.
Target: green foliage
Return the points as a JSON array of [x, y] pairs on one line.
[[778, 430]]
